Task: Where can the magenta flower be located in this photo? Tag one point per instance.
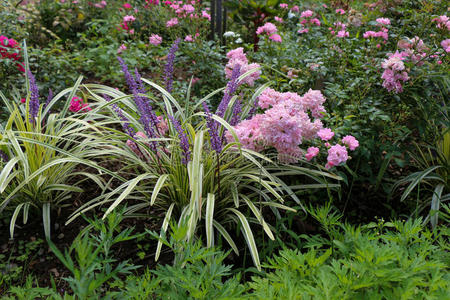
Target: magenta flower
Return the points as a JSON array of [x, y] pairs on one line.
[[446, 45], [268, 28], [306, 14], [384, 21], [337, 154], [155, 39], [351, 142], [172, 22], [340, 11], [325, 134], [276, 38], [127, 6], [311, 153]]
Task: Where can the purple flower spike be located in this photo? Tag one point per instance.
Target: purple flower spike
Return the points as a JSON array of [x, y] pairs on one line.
[[236, 113], [4, 156], [125, 122], [229, 91], [168, 70], [34, 97], [253, 109], [216, 141], [49, 98], [184, 142]]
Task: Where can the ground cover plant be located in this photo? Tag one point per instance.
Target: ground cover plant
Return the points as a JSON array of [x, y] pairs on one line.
[[303, 154]]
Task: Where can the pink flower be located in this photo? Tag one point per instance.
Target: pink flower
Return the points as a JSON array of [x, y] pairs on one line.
[[337, 154], [276, 38], [340, 11], [351, 142], [172, 22], [155, 39], [278, 19], [305, 30], [311, 153], [163, 127], [284, 5], [306, 14], [443, 22], [189, 38], [206, 15], [315, 21], [446, 45], [188, 8], [23, 100], [76, 104], [325, 134], [129, 18], [342, 34], [127, 6], [268, 28], [121, 48], [295, 8], [384, 21], [101, 4]]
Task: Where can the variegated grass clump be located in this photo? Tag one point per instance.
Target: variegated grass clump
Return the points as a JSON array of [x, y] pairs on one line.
[[214, 191]]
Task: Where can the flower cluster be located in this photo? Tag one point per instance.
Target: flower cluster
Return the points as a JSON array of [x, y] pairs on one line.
[[76, 105], [340, 28], [382, 33], [9, 48], [127, 20], [305, 19], [270, 30], [101, 4], [394, 72], [443, 22], [238, 57], [155, 39]]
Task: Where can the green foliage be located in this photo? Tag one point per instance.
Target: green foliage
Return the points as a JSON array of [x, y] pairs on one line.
[[361, 263]]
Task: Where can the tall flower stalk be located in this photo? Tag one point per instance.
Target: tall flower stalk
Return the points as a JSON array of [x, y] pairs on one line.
[[34, 97], [184, 142], [168, 70], [231, 88]]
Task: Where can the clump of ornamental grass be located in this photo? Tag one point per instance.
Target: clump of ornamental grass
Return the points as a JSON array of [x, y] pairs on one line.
[[190, 163], [40, 150]]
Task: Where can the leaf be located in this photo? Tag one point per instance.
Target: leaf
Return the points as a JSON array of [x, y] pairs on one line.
[[435, 203], [46, 219], [5, 173], [12, 223], [163, 230], [226, 235], [248, 234], [209, 220], [159, 184], [131, 185]]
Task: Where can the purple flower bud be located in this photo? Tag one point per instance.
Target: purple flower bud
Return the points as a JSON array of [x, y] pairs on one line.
[[236, 113], [168, 70], [34, 97], [49, 98], [125, 122], [229, 91], [4, 156], [184, 142], [215, 140]]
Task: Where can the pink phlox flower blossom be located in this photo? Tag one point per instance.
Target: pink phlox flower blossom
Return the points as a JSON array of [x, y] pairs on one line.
[[155, 39], [278, 19], [443, 22], [249, 133], [394, 62], [306, 14], [351, 142], [446, 45], [276, 38], [268, 28], [383, 21], [172, 22], [337, 154], [206, 15], [342, 34], [129, 19], [311, 152], [325, 134], [238, 57], [121, 48]]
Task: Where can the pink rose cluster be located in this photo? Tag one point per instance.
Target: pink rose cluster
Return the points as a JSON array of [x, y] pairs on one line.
[[284, 125], [340, 28], [305, 19], [10, 49], [127, 20], [76, 105], [101, 4], [382, 33], [238, 57], [446, 45], [443, 22], [270, 30], [155, 39], [394, 72], [187, 10], [413, 48]]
